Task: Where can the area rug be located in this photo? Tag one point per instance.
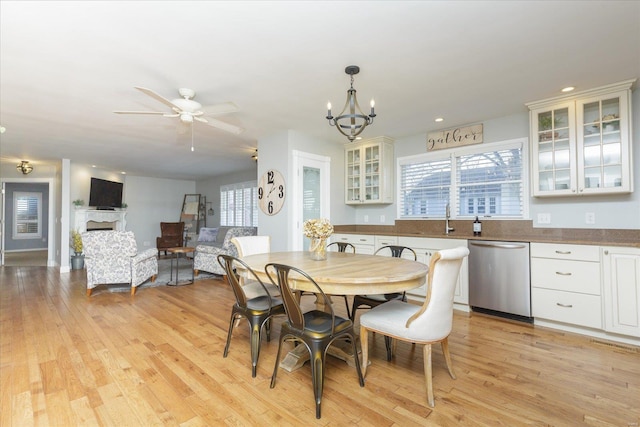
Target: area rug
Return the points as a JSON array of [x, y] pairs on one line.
[[164, 276]]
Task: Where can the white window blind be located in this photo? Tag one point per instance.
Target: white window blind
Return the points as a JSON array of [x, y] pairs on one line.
[[239, 204], [484, 181], [425, 188], [27, 215], [490, 183]]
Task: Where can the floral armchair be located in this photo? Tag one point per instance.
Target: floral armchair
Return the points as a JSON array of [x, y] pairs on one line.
[[112, 257], [206, 256]]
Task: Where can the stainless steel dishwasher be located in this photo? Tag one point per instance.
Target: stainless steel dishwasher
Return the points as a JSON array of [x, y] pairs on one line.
[[499, 278]]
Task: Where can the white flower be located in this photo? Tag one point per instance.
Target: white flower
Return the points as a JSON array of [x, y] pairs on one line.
[[317, 228]]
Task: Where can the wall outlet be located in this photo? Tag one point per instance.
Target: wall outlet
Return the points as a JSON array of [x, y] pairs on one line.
[[589, 218], [544, 218], [382, 219], [366, 218]]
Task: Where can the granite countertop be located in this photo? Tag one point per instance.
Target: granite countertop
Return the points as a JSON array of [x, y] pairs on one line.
[[502, 230]]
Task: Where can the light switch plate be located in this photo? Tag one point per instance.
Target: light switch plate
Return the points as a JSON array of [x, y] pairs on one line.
[[544, 218], [589, 218]]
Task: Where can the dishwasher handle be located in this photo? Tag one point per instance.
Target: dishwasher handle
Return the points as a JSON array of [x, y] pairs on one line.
[[499, 245]]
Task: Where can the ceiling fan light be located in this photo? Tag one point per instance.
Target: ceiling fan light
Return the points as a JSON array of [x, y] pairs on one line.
[[186, 118]]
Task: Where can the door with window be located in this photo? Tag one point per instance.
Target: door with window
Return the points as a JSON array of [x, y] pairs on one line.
[[311, 198]]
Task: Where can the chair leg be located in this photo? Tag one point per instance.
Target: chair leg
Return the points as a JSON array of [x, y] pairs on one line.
[[256, 326], [317, 375], [153, 278], [89, 292], [267, 327], [428, 374], [387, 344], [346, 304], [133, 290], [447, 357], [353, 340], [364, 343], [275, 368], [231, 322]]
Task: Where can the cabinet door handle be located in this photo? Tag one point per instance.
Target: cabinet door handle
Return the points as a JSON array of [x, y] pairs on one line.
[[363, 240], [564, 252], [606, 252], [564, 305], [560, 273]]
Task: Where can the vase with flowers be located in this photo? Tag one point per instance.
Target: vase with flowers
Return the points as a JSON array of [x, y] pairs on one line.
[[318, 230], [77, 260]]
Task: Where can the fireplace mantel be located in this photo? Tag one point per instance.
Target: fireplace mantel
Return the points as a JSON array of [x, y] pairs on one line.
[[85, 215]]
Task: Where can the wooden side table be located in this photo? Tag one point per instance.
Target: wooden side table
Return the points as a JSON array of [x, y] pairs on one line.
[[185, 250]]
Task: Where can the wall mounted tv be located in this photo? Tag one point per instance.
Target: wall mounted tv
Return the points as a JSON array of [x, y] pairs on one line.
[[105, 194]]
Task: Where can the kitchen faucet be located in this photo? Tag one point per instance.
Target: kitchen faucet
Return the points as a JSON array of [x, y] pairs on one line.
[[447, 229]]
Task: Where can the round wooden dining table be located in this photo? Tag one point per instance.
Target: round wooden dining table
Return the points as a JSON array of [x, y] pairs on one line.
[[340, 274], [345, 273]]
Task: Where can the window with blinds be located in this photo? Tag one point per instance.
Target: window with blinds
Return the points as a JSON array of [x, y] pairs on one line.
[[239, 204], [27, 215], [474, 181]]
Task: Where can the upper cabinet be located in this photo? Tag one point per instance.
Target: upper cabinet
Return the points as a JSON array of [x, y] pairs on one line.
[[581, 144], [369, 171]]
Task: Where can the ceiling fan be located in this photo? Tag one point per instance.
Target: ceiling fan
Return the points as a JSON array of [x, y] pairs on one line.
[[188, 110]]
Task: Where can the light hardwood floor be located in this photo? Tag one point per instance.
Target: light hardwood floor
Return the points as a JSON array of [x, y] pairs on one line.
[[156, 359]]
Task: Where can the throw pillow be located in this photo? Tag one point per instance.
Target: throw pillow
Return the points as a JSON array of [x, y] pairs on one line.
[[207, 234]]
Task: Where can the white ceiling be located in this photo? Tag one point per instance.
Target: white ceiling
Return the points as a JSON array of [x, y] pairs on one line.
[[66, 66]]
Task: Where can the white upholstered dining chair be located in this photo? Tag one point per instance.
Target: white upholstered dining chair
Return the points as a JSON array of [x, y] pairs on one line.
[[427, 324], [252, 245]]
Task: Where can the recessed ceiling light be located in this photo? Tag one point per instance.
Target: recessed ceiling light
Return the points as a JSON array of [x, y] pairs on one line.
[[439, 119], [123, 173], [93, 166], [3, 129], [568, 89]]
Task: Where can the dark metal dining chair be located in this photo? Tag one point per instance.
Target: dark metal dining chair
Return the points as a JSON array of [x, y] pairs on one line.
[[315, 329], [257, 310], [371, 301]]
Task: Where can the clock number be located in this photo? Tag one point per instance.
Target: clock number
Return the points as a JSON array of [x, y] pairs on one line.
[[270, 177], [260, 193], [270, 207], [281, 192]]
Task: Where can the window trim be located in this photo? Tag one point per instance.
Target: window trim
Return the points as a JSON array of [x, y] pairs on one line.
[[26, 236], [522, 143]]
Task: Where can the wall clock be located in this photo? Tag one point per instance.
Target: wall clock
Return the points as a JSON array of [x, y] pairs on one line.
[[271, 192]]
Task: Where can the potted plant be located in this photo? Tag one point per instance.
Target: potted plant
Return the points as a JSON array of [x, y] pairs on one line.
[[77, 259], [78, 203]]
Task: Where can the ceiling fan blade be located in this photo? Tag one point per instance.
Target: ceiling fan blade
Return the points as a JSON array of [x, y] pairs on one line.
[[225, 107], [138, 112], [158, 97], [223, 125]]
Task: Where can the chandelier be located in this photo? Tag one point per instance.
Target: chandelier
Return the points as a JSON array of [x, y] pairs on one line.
[[351, 121], [24, 167]]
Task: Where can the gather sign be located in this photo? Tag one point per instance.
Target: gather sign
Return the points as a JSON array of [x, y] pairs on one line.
[[455, 137]]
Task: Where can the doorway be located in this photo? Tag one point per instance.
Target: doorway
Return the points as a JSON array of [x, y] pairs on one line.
[[26, 235], [311, 196]]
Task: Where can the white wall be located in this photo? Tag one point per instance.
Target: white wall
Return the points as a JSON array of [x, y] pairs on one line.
[[613, 211], [150, 200], [275, 153]]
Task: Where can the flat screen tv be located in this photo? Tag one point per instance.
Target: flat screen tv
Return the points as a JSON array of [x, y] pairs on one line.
[[105, 194]]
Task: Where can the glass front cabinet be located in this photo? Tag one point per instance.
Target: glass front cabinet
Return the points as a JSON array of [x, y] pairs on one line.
[[369, 171], [581, 144]]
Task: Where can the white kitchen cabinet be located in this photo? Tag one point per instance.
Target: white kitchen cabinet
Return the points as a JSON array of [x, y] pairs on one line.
[[381, 241], [369, 172], [364, 244], [580, 144], [425, 248], [621, 286], [565, 284]]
